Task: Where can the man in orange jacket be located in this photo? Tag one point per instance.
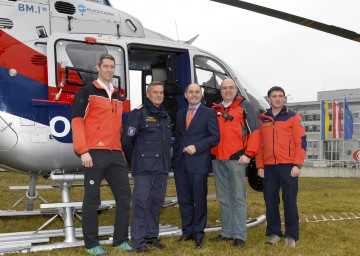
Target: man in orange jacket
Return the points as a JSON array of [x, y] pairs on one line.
[[239, 142], [281, 155], [96, 126]]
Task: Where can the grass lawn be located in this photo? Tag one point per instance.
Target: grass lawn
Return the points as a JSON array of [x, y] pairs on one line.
[[319, 199]]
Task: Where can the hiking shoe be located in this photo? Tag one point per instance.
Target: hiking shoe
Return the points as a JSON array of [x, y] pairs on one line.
[[273, 239], [156, 243], [141, 250], [238, 242], [220, 238], [125, 246], [97, 250], [289, 241]]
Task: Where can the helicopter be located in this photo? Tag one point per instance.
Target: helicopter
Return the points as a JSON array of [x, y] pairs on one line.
[[45, 62]]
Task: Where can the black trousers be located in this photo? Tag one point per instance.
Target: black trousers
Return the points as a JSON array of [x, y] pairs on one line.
[[110, 165], [277, 177]]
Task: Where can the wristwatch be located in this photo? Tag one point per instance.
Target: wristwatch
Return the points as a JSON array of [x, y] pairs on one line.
[[298, 166]]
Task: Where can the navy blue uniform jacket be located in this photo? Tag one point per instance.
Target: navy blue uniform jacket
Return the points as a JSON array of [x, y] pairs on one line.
[[146, 140], [203, 133]]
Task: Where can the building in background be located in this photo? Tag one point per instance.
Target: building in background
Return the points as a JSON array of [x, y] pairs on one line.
[[330, 152]]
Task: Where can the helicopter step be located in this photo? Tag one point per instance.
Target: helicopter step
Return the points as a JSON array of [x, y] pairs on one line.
[[31, 241]]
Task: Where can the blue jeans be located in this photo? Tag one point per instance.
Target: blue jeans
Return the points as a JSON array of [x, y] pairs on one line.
[[231, 192]]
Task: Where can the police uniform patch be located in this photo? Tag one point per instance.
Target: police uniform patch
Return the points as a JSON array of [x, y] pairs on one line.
[[150, 119], [131, 131]]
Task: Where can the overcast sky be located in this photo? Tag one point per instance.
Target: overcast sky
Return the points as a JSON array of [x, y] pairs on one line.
[[265, 50]]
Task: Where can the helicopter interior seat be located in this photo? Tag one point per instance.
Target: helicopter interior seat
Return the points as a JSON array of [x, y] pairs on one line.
[[171, 91], [211, 95]]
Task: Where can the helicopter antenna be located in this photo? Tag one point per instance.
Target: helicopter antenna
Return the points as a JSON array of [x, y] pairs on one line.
[[177, 34]]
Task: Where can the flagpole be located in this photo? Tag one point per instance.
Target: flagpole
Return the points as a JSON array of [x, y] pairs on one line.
[[343, 133], [332, 139], [321, 127]]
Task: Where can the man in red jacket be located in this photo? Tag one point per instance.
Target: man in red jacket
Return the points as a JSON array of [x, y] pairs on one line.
[[96, 125], [281, 155], [239, 142]]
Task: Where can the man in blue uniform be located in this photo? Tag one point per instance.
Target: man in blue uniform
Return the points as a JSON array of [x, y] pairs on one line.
[[146, 140]]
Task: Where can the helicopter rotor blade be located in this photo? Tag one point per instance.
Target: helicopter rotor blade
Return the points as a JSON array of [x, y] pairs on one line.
[[348, 34]]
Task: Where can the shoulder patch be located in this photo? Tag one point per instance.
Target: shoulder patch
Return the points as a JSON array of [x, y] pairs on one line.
[[131, 131]]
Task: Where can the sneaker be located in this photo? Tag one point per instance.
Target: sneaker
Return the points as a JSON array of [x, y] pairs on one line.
[[289, 241], [125, 246], [97, 250], [220, 238], [156, 243], [274, 239]]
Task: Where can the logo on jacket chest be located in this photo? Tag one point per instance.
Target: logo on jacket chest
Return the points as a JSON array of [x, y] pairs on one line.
[[150, 119], [265, 125]]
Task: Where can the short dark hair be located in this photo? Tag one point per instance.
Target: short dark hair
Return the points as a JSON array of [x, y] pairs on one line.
[[105, 56], [275, 88], [153, 83]]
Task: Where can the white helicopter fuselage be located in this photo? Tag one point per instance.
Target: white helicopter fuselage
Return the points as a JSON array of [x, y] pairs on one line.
[[48, 50]]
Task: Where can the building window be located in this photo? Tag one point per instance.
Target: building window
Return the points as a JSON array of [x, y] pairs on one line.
[[312, 144], [312, 157], [332, 150]]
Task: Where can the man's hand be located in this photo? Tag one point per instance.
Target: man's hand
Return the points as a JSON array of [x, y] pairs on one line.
[[260, 173], [295, 171], [190, 150], [86, 160], [244, 159]]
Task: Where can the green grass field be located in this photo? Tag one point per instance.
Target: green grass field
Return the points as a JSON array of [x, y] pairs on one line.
[[318, 199]]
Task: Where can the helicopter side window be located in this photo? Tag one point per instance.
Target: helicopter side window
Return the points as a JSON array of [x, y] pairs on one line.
[[209, 74], [76, 64]]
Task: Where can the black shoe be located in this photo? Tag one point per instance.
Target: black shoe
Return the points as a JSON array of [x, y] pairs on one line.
[[156, 243], [220, 238], [141, 250], [199, 243], [185, 238], [238, 243]]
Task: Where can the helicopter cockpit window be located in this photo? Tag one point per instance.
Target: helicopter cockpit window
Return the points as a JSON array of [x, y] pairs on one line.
[[209, 74], [76, 64]]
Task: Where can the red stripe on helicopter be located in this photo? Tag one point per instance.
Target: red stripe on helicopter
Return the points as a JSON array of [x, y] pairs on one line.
[[25, 60]]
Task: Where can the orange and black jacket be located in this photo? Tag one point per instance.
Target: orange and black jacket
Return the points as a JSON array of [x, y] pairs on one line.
[[96, 121], [283, 139], [239, 130]]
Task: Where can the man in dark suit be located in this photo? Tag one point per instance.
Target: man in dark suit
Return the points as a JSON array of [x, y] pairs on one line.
[[197, 131]]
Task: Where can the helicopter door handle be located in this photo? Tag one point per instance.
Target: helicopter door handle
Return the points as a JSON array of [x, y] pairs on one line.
[[118, 30], [130, 23], [69, 22]]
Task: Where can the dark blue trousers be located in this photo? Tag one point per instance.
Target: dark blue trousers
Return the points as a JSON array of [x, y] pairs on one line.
[[191, 189], [110, 165], [278, 177], [147, 201]]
